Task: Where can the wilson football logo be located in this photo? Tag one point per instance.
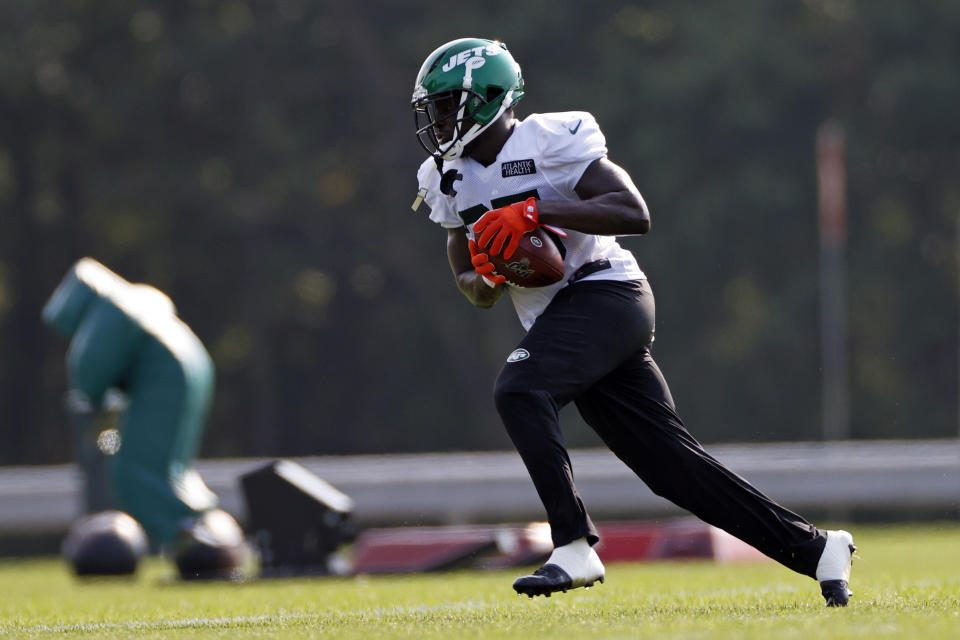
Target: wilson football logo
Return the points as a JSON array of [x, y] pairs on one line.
[[520, 267]]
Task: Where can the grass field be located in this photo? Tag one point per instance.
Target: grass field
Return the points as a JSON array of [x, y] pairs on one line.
[[906, 579]]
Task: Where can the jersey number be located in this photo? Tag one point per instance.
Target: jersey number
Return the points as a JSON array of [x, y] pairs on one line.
[[471, 215]]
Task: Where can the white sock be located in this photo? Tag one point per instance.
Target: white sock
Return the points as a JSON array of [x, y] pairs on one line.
[[834, 562], [578, 559]]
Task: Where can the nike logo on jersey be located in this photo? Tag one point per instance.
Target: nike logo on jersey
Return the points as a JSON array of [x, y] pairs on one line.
[[573, 131]]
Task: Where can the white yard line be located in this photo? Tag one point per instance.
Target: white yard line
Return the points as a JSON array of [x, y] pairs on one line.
[[230, 621]]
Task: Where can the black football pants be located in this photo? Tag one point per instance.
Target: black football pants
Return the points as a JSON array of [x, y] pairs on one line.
[[592, 346]]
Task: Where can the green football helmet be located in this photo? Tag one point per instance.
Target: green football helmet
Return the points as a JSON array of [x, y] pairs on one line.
[[463, 87]]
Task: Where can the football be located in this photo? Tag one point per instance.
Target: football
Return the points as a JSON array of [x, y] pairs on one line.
[[537, 262]]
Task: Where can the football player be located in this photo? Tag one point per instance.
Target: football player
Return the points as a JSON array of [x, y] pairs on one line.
[[489, 179]]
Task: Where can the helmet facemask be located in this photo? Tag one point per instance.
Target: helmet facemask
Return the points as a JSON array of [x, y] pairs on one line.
[[447, 121]]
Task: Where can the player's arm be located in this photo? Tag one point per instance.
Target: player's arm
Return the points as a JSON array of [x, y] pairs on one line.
[[610, 204], [469, 282]]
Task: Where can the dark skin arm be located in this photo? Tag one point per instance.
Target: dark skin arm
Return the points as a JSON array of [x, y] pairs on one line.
[[469, 282], [609, 204]]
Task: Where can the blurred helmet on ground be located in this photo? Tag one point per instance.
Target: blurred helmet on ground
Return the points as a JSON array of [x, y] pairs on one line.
[[107, 543], [212, 547]]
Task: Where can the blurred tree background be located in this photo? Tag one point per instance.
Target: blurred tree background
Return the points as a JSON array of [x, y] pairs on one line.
[[255, 160]]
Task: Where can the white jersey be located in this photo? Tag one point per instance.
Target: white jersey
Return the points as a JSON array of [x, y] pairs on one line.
[[544, 157]]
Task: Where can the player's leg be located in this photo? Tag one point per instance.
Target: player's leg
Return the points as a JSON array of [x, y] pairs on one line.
[[153, 472], [587, 330], [531, 418], [633, 411]]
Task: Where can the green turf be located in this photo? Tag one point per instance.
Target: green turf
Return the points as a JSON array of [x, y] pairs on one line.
[[907, 584]]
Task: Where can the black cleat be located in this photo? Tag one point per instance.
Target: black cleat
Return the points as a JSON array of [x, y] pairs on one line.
[[548, 579], [835, 592]]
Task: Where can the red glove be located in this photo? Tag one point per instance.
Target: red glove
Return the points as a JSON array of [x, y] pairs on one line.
[[482, 265], [508, 225]]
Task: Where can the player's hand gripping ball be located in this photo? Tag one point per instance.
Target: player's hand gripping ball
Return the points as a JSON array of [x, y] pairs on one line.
[[530, 259], [505, 226], [483, 266]]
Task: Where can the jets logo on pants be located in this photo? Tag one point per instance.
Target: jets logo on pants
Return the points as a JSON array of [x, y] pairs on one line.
[[518, 355]]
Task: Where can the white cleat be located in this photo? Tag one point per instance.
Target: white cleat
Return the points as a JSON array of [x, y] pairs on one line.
[[568, 567], [833, 570]]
